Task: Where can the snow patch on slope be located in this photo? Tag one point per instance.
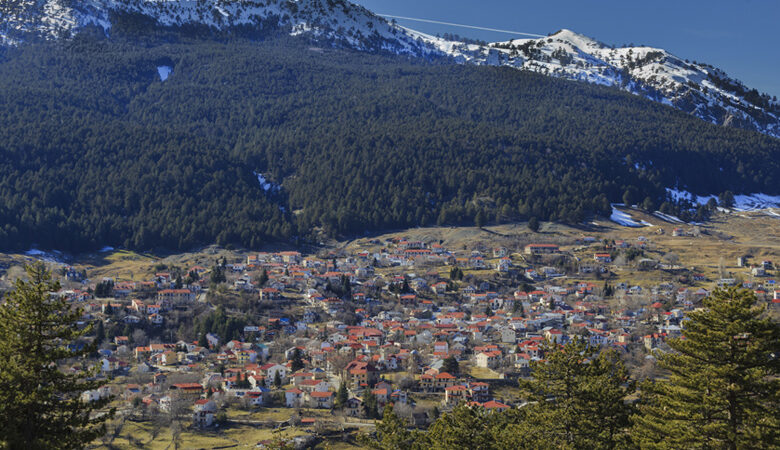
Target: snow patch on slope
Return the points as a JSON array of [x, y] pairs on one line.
[[678, 195], [265, 184], [164, 72], [50, 257], [622, 218], [753, 202], [742, 202], [667, 217]]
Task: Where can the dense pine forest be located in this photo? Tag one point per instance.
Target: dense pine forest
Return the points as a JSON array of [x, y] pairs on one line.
[[95, 149]]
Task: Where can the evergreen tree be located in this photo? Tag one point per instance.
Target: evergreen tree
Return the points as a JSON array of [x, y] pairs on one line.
[[726, 199], [128, 331], [648, 204], [456, 273], [244, 380], [192, 277], [263, 279], [297, 362], [628, 196], [391, 433], [203, 341], [217, 275], [104, 289], [576, 399], [342, 395], [346, 287], [519, 308], [465, 427], [608, 291], [370, 407], [277, 379], [533, 224], [100, 333], [40, 404], [479, 219], [723, 389], [450, 365]]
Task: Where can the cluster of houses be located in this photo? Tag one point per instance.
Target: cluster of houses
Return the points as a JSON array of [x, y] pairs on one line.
[[389, 320]]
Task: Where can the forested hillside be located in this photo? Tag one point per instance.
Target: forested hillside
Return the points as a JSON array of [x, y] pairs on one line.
[[95, 149]]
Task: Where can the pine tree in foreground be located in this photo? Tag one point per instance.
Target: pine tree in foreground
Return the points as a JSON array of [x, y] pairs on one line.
[[40, 404], [470, 427], [577, 399], [391, 433], [722, 390]]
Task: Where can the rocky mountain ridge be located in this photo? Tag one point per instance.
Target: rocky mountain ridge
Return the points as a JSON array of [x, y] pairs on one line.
[[696, 88]]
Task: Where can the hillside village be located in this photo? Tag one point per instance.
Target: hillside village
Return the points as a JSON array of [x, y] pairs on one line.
[[303, 224], [326, 339]]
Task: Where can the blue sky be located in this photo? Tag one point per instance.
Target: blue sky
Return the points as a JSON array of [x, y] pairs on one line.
[[741, 37]]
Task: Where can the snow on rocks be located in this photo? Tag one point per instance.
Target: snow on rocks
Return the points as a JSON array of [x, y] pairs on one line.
[[649, 72], [698, 89], [752, 202], [678, 194], [345, 22]]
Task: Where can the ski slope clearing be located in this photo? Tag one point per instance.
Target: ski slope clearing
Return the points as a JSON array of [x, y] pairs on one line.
[[624, 219]]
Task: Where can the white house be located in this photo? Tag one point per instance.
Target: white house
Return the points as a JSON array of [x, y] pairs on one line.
[[293, 398], [488, 359], [257, 396], [508, 336], [271, 370], [96, 394], [204, 413]]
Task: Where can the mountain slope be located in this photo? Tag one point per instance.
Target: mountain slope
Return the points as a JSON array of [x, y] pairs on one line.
[[248, 141], [698, 89], [337, 20]]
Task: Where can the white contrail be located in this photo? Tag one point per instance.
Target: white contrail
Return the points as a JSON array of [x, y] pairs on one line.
[[461, 25]]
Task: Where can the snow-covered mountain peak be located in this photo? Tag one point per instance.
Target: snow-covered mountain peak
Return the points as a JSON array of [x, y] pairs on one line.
[[576, 39], [696, 88], [336, 20], [699, 89]]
